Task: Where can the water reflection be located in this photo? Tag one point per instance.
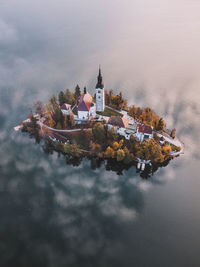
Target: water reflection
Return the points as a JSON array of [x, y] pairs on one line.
[[95, 163], [53, 214]]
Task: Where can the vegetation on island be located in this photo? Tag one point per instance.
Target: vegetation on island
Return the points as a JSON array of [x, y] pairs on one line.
[[115, 101], [147, 116], [94, 138]]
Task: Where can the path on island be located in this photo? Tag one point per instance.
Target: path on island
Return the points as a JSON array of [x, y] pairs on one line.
[[58, 130]]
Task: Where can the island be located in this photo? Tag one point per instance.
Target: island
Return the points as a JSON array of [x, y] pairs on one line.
[[102, 127]]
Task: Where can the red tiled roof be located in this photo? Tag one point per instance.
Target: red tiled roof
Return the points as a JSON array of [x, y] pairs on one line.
[[121, 122], [142, 128], [85, 101]]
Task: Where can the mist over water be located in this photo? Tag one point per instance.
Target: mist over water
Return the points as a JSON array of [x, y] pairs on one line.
[[53, 214]]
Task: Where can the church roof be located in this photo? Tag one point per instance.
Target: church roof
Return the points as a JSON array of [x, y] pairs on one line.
[[100, 80], [85, 102], [121, 122]]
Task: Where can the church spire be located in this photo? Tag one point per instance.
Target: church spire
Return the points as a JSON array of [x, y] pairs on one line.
[[100, 80]]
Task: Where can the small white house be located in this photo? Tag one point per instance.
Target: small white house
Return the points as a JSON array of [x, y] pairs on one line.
[[66, 109], [118, 123], [144, 132]]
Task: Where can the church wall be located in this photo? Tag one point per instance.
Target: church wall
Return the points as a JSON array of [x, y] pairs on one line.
[[100, 99], [83, 115]]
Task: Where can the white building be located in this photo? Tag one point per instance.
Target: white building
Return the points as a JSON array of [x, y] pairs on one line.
[[144, 132], [86, 107], [119, 124], [100, 94], [66, 109]]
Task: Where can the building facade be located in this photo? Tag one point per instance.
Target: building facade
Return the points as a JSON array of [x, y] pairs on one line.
[[100, 94], [86, 107]]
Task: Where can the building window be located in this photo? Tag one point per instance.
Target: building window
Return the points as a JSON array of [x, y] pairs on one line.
[[99, 97], [99, 92]]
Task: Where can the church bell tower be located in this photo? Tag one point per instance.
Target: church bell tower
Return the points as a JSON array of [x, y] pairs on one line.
[[100, 95]]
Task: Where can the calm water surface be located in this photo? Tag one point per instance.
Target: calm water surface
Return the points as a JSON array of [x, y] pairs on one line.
[[53, 214]]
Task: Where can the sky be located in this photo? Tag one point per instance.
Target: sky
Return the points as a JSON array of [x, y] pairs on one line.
[[148, 49]]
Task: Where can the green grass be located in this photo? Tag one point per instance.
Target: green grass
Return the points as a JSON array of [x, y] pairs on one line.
[[75, 111], [109, 112]]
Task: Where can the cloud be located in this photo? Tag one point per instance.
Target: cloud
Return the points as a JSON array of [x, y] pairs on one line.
[[8, 34]]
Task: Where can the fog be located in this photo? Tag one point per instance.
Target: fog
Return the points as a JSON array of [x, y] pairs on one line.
[[147, 49]]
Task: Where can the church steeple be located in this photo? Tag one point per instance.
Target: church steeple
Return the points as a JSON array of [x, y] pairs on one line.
[[100, 80], [100, 94]]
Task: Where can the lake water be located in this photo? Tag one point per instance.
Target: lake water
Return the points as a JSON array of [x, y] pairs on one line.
[[53, 214]]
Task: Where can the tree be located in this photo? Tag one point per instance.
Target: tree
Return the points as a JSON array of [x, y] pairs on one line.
[[156, 137], [115, 145], [65, 122], [51, 122], [88, 134], [161, 124], [77, 92], [66, 148], [132, 139], [58, 146], [121, 143], [112, 134], [71, 120], [128, 156], [58, 125], [138, 112], [149, 150], [132, 111], [33, 121], [58, 115], [173, 133], [97, 148], [167, 149], [120, 155], [70, 99], [75, 151], [54, 102], [98, 132], [61, 98], [109, 153]]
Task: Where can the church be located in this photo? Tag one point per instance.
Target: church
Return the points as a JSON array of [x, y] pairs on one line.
[[86, 107]]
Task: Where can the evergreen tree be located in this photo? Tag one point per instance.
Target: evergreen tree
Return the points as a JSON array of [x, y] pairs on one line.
[[70, 99], [173, 133], [54, 102], [132, 111], [61, 98], [77, 92], [161, 124]]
